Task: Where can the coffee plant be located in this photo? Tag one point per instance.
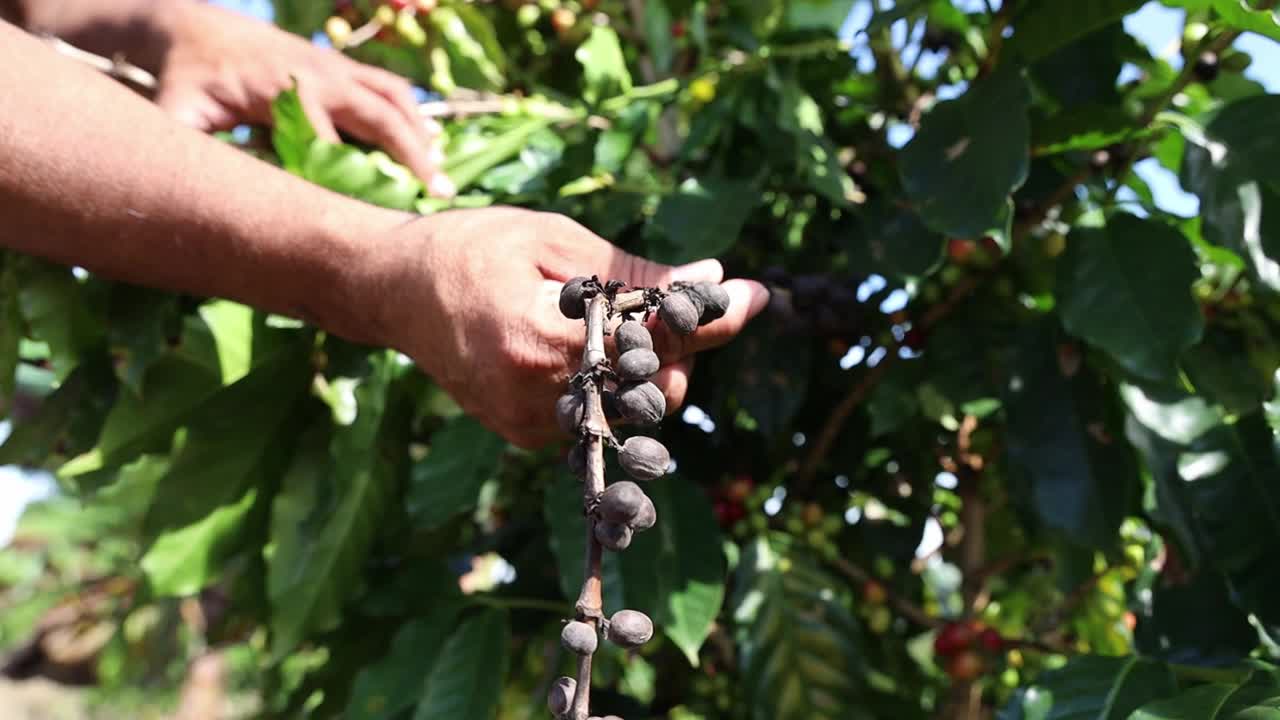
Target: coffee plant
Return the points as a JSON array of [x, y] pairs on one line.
[[1002, 445]]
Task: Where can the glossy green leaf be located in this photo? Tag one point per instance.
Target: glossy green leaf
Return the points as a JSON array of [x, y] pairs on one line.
[[292, 133], [657, 35], [470, 671], [604, 68], [969, 154], [463, 456], [828, 15], [326, 515], [701, 220], [465, 167], [57, 309], [77, 403], [1238, 14], [1042, 27], [469, 60], [303, 17], [394, 683], [1127, 290], [184, 560], [1092, 127], [1094, 687]]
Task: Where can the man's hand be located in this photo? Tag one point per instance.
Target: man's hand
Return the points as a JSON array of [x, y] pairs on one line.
[[472, 297]]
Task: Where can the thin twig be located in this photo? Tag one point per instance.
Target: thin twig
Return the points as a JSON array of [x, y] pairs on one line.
[[905, 607], [116, 67]]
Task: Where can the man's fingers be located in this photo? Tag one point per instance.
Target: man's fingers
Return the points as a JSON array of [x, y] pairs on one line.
[[194, 108], [369, 116], [572, 250], [746, 299], [673, 381]]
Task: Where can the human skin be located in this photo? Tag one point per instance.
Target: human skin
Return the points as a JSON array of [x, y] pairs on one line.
[[93, 175], [218, 69]]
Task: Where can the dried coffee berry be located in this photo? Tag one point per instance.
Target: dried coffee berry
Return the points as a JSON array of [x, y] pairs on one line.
[[644, 458], [621, 502], [578, 460], [573, 298], [579, 638], [570, 409], [715, 300], [560, 696], [613, 536], [631, 335], [641, 402], [647, 517], [638, 364], [679, 313], [629, 629]]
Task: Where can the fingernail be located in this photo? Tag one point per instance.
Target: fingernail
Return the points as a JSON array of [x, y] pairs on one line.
[[432, 127], [710, 270], [435, 155], [441, 186]]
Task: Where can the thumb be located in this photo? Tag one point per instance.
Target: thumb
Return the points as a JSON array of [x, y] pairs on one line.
[[637, 271]]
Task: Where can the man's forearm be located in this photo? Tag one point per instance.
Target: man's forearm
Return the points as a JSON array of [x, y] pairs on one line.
[[92, 175], [136, 29]]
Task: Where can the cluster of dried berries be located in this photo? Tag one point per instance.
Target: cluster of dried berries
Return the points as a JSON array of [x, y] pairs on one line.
[[617, 390]]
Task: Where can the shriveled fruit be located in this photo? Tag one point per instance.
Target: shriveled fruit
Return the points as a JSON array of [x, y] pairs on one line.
[[578, 460], [629, 629], [560, 696], [613, 536], [638, 364], [573, 298], [579, 638], [570, 409], [679, 313], [621, 502], [631, 335], [647, 517], [714, 298], [641, 402], [644, 458]]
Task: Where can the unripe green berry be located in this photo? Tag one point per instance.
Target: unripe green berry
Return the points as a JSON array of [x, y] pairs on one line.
[[641, 402], [644, 458], [579, 638], [613, 536], [647, 517], [631, 335], [714, 300], [560, 696], [629, 629], [573, 298], [679, 313], [638, 364], [570, 410], [621, 502]]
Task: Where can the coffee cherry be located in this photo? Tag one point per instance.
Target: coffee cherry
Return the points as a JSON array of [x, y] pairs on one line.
[[1206, 67], [874, 593], [714, 300], [573, 298], [621, 502], [679, 313], [578, 460], [953, 638], [570, 410], [991, 641], [966, 666], [631, 335], [338, 30], [613, 536], [647, 517], [629, 629], [638, 364], [641, 402], [560, 696], [644, 458], [579, 638], [385, 14]]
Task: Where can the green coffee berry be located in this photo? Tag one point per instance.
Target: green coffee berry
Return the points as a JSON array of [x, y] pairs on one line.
[[629, 629], [644, 458], [631, 335], [621, 502], [613, 536], [646, 517], [578, 460], [715, 300], [638, 364], [679, 313], [560, 696], [641, 402], [573, 298], [579, 638], [570, 410]]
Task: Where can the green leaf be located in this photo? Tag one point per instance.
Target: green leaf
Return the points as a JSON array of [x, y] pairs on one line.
[[1091, 127], [1094, 687], [469, 59], [895, 241], [604, 68], [798, 642], [657, 35], [464, 455], [80, 400], [304, 17], [1238, 14], [562, 512], [1043, 27], [969, 154], [393, 684], [292, 133], [373, 177], [184, 560], [1082, 482], [465, 167], [58, 311], [326, 515], [1199, 703], [702, 219], [771, 375], [675, 571], [828, 15], [470, 672], [1127, 289]]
